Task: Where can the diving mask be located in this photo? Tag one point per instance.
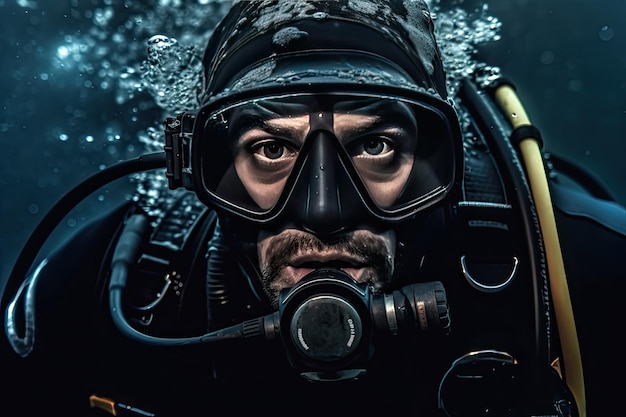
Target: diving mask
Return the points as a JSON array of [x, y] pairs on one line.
[[390, 153]]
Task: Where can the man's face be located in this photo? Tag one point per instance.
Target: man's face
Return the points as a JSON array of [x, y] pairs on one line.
[[380, 138]]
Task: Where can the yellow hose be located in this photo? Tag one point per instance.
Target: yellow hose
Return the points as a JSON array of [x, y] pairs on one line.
[[508, 100]]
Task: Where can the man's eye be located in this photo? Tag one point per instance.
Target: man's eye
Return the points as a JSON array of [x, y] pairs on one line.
[[375, 146], [271, 150]]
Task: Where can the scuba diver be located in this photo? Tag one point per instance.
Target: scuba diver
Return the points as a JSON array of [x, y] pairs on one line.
[[339, 234]]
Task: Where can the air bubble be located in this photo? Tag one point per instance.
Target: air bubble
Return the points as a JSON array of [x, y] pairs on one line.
[[33, 208], [547, 57], [606, 33]]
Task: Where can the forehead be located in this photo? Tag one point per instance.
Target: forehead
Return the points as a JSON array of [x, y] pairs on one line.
[[298, 114], [304, 121], [299, 110]]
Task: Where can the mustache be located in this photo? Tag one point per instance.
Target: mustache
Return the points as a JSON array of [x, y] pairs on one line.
[[370, 249]]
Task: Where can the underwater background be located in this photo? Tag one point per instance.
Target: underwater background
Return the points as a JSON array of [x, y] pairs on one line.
[[85, 84]]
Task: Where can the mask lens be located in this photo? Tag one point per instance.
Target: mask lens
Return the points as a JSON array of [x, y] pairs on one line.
[[397, 152], [256, 143]]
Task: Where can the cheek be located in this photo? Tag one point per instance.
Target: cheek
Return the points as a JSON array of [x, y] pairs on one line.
[[385, 188], [264, 191], [386, 193], [265, 196]]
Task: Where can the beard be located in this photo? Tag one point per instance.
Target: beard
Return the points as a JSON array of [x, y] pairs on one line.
[[375, 258]]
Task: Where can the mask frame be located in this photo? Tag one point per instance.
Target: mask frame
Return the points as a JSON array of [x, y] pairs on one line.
[[186, 148]]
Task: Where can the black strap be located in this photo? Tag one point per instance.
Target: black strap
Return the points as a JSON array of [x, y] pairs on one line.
[[526, 132], [522, 132]]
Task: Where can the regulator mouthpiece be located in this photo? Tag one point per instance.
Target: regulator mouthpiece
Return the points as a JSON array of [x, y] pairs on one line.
[[328, 320]]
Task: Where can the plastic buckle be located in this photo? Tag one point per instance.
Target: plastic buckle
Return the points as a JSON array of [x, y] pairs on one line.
[[178, 132]]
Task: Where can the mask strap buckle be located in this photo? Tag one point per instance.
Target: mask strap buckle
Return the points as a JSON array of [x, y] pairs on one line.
[[178, 132]]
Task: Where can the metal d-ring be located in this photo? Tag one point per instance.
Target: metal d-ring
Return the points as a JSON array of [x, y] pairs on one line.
[[488, 288]]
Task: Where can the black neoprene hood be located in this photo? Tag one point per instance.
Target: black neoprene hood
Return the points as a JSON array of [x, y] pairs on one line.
[[388, 42], [334, 51]]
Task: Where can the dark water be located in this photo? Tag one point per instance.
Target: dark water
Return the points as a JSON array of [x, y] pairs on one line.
[[64, 115]]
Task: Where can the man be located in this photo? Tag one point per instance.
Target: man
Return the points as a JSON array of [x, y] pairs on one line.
[[370, 245]]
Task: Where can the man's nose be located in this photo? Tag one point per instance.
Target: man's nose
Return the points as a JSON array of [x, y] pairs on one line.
[[324, 196]]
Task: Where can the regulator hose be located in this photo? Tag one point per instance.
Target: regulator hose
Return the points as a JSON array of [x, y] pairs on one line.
[[529, 147], [125, 255], [67, 202]]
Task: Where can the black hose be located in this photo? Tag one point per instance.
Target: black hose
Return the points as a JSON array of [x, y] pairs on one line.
[[67, 202], [126, 252]]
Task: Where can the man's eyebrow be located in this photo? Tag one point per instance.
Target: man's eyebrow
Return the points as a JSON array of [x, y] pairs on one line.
[[362, 122], [382, 115], [245, 119], [377, 107], [284, 124]]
